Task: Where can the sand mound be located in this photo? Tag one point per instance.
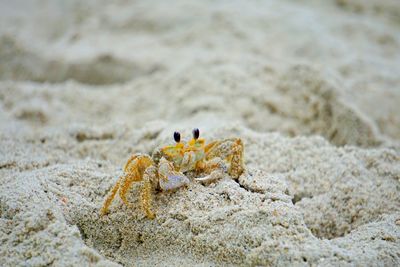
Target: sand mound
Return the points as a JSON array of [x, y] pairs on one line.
[[301, 197]]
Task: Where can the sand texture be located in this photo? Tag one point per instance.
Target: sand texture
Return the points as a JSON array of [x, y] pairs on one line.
[[312, 88]]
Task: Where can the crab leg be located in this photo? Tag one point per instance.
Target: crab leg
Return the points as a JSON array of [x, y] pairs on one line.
[[114, 190], [236, 168], [145, 196], [216, 168], [110, 198], [133, 176], [230, 150], [134, 169]]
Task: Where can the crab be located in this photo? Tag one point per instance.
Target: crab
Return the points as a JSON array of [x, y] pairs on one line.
[[169, 167]]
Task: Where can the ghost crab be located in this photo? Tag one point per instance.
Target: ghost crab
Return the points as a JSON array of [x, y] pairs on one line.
[[167, 169]]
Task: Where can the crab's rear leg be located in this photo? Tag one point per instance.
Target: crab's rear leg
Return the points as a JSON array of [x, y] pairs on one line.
[[110, 197], [126, 183], [230, 150], [121, 186], [215, 168], [134, 169], [237, 166]]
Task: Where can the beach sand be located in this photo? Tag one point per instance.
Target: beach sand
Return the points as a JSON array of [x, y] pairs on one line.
[[312, 89]]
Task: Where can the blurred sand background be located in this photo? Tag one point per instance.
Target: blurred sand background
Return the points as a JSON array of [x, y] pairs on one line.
[[312, 88]]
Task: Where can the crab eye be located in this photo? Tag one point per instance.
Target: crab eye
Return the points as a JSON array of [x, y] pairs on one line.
[[196, 133], [177, 137]]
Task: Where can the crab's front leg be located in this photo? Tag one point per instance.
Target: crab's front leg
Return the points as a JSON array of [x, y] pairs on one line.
[[230, 150], [168, 179], [149, 177]]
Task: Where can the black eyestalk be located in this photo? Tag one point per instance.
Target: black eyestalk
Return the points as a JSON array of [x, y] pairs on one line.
[[196, 133], [177, 137]]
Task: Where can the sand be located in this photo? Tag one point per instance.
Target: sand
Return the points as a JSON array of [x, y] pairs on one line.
[[311, 88]]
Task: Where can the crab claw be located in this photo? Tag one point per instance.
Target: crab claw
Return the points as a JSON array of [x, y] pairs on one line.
[[170, 179], [174, 181]]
